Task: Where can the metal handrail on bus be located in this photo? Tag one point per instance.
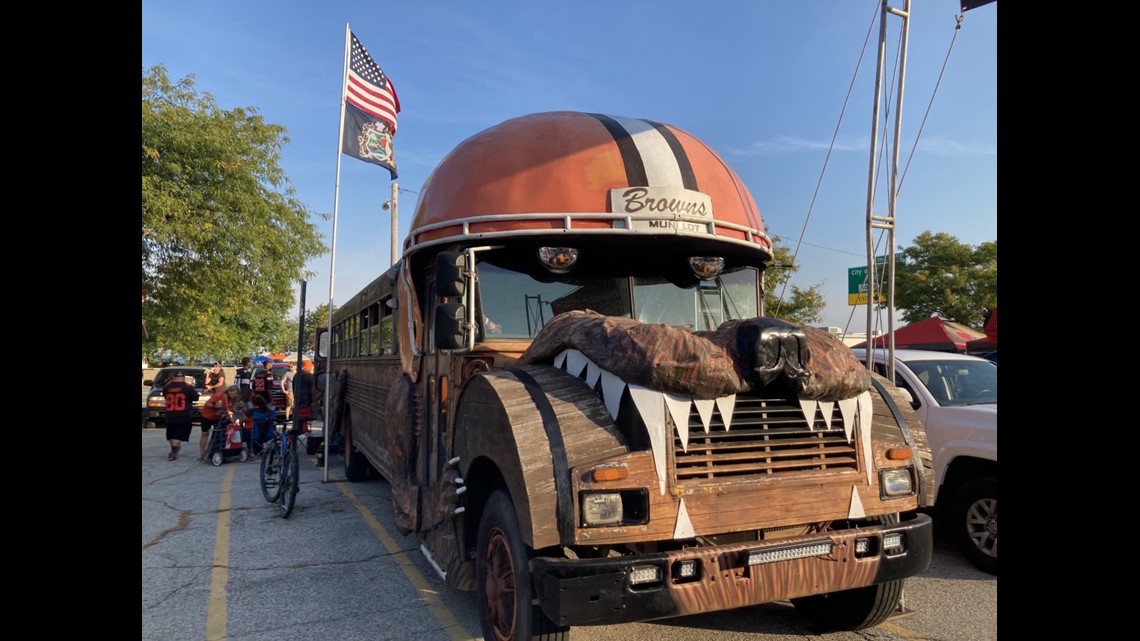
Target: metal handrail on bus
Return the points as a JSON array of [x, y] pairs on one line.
[[752, 236]]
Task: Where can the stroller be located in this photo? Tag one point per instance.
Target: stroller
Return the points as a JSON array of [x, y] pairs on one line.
[[226, 442]]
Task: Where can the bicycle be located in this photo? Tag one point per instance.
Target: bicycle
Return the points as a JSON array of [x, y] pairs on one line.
[[280, 470]]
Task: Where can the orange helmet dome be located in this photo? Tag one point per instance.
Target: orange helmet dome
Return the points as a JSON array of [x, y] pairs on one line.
[[583, 173]]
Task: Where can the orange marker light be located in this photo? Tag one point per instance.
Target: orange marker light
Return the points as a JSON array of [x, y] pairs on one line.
[[600, 474], [899, 454]]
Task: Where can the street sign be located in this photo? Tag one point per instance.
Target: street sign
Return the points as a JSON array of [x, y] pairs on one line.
[[857, 287], [857, 283]]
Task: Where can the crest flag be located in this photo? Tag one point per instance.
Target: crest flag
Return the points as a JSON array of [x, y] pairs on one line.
[[368, 139], [371, 106]]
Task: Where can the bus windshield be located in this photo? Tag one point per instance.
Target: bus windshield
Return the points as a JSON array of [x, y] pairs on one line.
[[516, 305]]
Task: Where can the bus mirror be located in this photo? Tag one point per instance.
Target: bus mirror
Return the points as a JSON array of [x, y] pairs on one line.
[[449, 325], [449, 268], [323, 342]]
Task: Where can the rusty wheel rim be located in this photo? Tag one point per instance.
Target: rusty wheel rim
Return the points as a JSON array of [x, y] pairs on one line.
[[499, 586]]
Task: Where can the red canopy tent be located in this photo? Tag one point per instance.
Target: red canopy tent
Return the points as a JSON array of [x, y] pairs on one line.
[[933, 333], [988, 343]]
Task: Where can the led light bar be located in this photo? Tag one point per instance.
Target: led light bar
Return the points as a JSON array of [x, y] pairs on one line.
[[759, 557], [644, 574], [688, 569]]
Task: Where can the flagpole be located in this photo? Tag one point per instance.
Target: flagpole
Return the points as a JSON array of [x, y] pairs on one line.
[[332, 251]]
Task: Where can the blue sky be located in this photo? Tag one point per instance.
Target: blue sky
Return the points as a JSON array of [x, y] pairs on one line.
[[764, 83]]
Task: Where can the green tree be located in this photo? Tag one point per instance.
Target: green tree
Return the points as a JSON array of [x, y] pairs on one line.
[[802, 306], [223, 238], [939, 275], [314, 318], [284, 338]]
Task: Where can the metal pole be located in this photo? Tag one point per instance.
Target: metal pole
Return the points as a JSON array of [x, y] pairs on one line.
[[300, 356], [395, 219], [332, 249], [892, 196], [881, 49]]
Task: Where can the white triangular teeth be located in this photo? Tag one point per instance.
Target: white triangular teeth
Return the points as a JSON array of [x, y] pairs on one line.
[[704, 409], [679, 410], [807, 406], [726, 404], [651, 405], [827, 408], [856, 509], [865, 415], [592, 374], [575, 362], [612, 387], [684, 527], [847, 409]]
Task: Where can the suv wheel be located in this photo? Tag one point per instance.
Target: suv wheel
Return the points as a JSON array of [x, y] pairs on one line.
[[974, 520]]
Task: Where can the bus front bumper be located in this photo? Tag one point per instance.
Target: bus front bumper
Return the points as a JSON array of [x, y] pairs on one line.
[[708, 579]]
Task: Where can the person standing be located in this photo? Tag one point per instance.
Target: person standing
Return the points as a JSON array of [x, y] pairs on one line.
[[180, 397], [244, 378], [287, 390], [216, 379], [305, 391], [262, 384]]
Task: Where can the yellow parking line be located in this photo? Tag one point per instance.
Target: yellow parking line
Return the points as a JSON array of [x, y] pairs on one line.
[[220, 574], [429, 596]]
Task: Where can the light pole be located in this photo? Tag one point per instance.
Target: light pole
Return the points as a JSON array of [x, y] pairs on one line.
[[392, 204]]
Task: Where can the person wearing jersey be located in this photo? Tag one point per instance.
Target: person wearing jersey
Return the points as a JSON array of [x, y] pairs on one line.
[[180, 397], [262, 385], [244, 378]]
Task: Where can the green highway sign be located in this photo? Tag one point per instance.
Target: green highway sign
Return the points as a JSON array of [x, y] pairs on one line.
[[857, 283], [857, 286]]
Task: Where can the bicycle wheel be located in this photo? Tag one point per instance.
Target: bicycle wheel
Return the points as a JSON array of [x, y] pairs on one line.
[[290, 478], [270, 473]]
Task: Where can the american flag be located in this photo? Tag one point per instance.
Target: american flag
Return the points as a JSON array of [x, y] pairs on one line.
[[368, 88]]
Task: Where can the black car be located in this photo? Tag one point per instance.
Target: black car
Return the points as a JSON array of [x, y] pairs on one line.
[[155, 403]]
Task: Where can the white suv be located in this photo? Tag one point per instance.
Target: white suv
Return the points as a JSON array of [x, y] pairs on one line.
[[955, 397]]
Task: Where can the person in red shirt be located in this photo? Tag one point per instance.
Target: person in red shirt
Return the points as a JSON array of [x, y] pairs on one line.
[[212, 412], [180, 397]]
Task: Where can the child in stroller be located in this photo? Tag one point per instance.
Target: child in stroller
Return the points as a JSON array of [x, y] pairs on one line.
[[226, 441], [225, 438]]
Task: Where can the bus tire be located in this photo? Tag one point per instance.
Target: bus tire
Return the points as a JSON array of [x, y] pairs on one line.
[[851, 610], [502, 579], [355, 465]]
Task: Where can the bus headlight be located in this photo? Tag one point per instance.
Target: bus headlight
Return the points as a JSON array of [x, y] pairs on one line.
[[601, 509], [558, 260], [896, 482]]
